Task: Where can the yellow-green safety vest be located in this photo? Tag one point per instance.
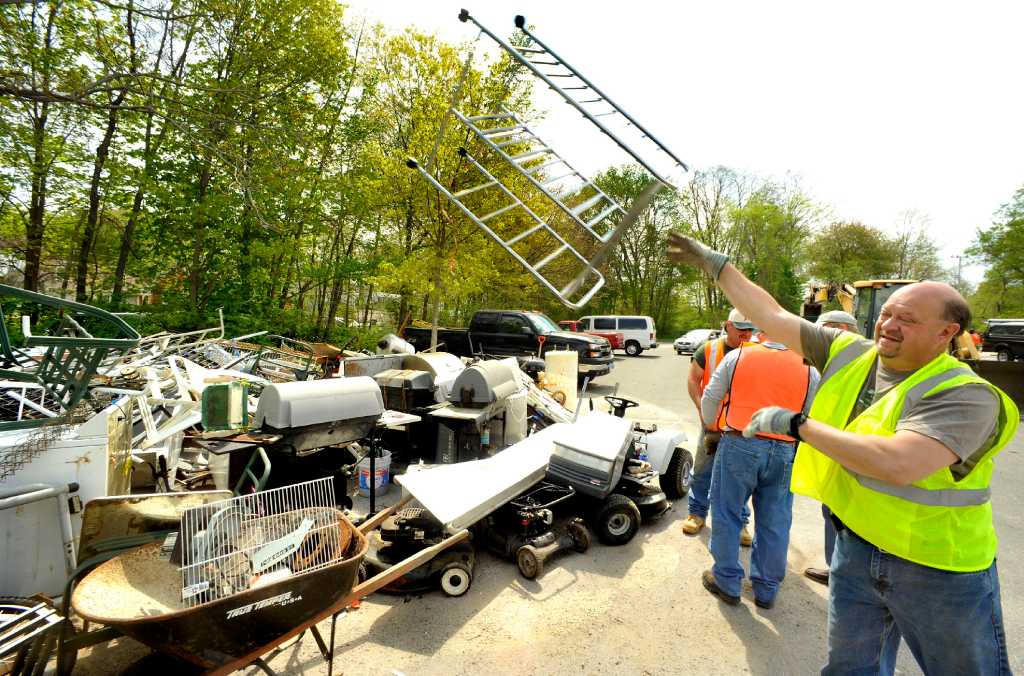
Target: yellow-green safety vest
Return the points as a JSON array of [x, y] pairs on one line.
[[937, 521]]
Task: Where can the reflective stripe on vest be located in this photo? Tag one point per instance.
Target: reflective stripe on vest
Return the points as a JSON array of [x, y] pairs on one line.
[[714, 350], [938, 521], [764, 376]]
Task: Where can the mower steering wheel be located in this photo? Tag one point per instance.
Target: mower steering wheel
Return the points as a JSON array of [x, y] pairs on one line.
[[620, 404]]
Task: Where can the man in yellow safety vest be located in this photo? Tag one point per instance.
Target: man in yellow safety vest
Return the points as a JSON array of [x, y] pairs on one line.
[[900, 444]]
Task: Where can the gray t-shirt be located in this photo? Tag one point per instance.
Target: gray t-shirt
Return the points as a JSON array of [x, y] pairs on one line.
[[963, 419]]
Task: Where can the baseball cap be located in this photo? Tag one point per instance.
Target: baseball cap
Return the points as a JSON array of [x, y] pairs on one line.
[[837, 317], [738, 320]]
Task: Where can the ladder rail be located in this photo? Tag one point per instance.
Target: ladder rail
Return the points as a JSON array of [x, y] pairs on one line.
[[520, 22], [516, 54], [588, 268]]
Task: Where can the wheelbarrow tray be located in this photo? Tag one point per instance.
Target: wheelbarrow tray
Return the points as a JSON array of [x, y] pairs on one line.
[[139, 593]]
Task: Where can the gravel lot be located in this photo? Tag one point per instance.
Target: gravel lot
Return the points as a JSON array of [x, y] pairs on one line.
[[636, 609]]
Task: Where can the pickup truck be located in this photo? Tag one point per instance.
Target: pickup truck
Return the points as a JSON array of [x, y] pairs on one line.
[[509, 333], [617, 339]]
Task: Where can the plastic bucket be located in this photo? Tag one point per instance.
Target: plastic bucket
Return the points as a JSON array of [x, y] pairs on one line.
[[382, 474]]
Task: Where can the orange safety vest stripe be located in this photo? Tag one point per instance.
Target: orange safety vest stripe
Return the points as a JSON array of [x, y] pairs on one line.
[[711, 361], [764, 377]]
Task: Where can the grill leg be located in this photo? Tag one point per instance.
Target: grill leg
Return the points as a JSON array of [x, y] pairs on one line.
[[262, 666]]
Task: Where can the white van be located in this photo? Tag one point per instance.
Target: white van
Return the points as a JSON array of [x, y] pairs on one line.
[[639, 332]]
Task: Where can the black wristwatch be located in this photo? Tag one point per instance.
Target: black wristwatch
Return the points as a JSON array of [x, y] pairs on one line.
[[794, 425]]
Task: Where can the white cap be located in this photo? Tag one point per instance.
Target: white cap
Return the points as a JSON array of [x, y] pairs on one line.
[[837, 317], [739, 321]]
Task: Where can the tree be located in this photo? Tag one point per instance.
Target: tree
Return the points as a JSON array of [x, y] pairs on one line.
[[846, 252], [1001, 247]]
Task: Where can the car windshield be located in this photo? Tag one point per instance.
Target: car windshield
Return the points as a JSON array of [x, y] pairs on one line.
[[541, 323]]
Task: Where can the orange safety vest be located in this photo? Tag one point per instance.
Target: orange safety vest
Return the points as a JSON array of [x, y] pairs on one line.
[[763, 377], [714, 352]]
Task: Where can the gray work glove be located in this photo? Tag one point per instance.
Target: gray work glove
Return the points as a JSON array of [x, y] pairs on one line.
[[770, 420], [683, 249]]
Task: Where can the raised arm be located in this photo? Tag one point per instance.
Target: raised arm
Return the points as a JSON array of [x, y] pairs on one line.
[[756, 304]]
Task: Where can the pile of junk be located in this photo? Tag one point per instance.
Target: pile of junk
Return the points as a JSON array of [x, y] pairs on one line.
[[149, 483]]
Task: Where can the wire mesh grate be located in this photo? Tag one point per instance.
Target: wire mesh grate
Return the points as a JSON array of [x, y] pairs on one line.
[[231, 546]]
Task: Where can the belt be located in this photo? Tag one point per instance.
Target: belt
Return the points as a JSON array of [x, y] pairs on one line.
[[734, 433], [840, 527]]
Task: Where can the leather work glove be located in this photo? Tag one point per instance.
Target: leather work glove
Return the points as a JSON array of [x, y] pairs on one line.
[[683, 249], [771, 420]]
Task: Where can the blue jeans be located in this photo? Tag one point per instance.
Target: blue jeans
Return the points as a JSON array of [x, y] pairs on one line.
[[745, 468], [952, 622], [699, 498]]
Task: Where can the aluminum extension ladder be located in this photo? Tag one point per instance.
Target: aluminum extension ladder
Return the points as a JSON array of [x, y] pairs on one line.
[[538, 227], [592, 209], [577, 91]]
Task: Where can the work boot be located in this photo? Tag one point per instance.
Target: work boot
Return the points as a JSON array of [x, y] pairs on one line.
[[708, 578], [819, 575], [693, 524], [746, 539]]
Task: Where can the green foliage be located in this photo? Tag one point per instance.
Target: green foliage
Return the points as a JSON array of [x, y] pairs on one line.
[[1001, 248]]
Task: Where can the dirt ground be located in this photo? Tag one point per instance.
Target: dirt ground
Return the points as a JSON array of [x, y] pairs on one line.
[[635, 609]]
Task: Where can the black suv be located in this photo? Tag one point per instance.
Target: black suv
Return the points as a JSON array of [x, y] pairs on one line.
[[1005, 337]]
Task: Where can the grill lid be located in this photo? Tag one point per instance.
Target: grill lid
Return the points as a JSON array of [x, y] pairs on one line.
[[311, 402], [484, 383]]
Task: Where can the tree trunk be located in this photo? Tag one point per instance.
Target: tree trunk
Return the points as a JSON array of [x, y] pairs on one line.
[[89, 233], [35, 227]]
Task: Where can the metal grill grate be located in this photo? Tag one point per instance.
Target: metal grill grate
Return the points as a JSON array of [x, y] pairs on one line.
[[230, 546]]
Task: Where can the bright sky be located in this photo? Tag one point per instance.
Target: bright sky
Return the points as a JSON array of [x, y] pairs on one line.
[[877, 107]]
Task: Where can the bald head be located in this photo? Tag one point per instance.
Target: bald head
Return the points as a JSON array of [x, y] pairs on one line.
[[945, 301], [917, 323]]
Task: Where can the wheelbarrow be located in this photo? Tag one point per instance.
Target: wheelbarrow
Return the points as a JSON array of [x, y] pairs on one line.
[[135, 593]]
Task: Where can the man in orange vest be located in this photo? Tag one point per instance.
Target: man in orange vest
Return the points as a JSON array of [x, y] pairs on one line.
[[750, 378], [706, 357]]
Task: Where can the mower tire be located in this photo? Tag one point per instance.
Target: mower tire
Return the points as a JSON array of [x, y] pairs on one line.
[[616, 520], [529, 564], [675, 482], [580, 535], [456, 579]]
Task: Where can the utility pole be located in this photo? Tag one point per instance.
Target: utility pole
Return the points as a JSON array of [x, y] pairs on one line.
[[959, 270]]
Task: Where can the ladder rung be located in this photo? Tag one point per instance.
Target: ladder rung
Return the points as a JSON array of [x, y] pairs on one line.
[[525, 139], [500, 130], [530, 155], [550, 257], [597, 219], [534, 170], [610, 112], [499, 116], [508, 131], [532, 50], [524, 234], [580, 208], [559, 74], [591, 101], [547, 63], [499, 211], [571, 88], [559, 178], [467, 191]]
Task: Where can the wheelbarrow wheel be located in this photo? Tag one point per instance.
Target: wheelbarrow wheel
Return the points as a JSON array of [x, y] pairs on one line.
[[529, 564], [580, 535], [456, 579]]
